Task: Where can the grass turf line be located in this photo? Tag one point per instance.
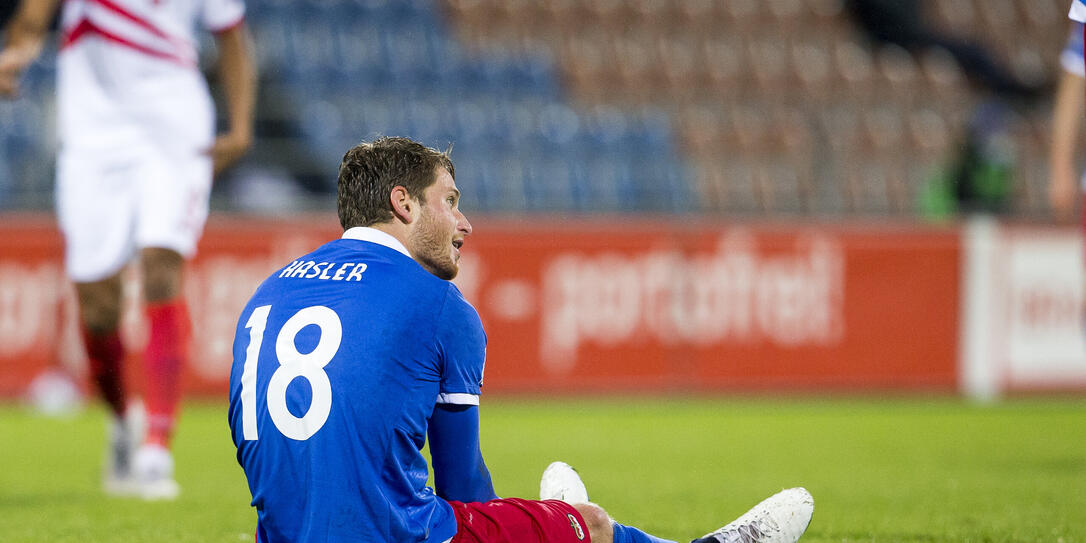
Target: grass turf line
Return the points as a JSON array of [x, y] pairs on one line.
[[901, 470]]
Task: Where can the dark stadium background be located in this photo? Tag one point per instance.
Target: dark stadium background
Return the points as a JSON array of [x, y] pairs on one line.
[[737, 108]]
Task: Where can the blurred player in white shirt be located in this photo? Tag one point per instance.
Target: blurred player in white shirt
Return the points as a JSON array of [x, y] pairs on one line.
[[137, 153]]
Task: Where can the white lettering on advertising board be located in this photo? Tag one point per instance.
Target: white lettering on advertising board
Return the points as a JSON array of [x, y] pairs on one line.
[[1044, 303], [733, 294]]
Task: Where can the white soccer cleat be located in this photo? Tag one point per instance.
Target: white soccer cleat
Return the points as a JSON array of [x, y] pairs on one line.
[[118, 476], [561, 482], [153, 468], [780, 518]]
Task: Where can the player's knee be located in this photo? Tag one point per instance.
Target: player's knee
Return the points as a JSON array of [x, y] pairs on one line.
[[597, 520], [161, 274], [100, 304]]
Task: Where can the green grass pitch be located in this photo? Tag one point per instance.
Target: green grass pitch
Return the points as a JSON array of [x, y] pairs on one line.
[[897, 470]]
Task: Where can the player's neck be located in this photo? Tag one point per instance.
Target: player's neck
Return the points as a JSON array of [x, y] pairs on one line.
[[396, 229]]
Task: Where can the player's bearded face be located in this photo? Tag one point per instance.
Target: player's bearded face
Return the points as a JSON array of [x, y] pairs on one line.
[[436, 240]]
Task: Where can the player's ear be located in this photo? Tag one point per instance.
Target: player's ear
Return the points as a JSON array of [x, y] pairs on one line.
[[403, 205]]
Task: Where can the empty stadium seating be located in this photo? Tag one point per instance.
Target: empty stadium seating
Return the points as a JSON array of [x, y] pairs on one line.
[[780, 105], [752, 107]]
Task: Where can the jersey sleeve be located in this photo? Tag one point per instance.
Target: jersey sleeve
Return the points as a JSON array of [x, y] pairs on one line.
[[1071, 58], [1078, 11], [462, 350], [220, 15]]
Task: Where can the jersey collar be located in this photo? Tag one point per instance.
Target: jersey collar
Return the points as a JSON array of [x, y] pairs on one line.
[[373, 235]]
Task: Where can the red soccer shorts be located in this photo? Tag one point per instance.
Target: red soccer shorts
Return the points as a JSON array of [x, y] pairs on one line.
[[513, 520]]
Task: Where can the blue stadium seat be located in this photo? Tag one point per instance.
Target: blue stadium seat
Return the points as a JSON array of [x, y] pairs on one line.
[[6, 181], [458, 72], [424, 123], [364, 65], [476, 126], [549, 183], [312, 59], [519, 123], [410, 52], [509, 192], [390, 12], [275, 5], [26, 122], [661, 184], [326, 125], [559, 128], [389, 67], [579, 184], [378, 115], [650, 132], [529, 75], [315, 9], [268, 12], [505, 75], [272, 55], [414, 11], [537, 74], [608, 184], [606, 129]]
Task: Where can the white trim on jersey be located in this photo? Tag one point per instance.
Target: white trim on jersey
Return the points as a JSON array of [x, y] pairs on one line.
[[458, 399], [373, 235], [1078, 11], [223, 15]]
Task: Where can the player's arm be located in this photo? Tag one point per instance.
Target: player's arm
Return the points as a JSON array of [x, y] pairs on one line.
[[237, 71], [23, 40], [1066, 121], [459, 471]]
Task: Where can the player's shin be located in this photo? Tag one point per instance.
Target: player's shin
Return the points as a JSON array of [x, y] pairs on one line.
[[166, 350], [105, 355]]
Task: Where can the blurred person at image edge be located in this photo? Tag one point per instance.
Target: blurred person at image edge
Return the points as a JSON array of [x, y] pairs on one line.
[[1067, 119], [137, 152]]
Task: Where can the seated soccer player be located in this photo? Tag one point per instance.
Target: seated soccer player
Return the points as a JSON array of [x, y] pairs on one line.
[[349, 357]]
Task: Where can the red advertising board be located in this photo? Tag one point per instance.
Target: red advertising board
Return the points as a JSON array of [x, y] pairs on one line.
[[578, 306], [656, 307]]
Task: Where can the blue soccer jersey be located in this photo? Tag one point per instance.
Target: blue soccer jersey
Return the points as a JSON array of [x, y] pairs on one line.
[[339, 360]]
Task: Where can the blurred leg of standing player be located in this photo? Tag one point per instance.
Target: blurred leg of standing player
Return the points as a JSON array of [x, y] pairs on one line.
[[150, 471], [168, 322], [173, 206], [99, 310], [167, 318], [94, 207]]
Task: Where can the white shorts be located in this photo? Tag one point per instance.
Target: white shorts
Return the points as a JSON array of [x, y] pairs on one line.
[[110, 204]]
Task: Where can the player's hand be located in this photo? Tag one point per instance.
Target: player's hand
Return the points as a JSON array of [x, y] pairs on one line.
[[1062, 194], [228, 149], [13, 61]]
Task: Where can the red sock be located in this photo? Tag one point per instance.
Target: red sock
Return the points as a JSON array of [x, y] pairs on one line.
[[166, 349], [105, 354]]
